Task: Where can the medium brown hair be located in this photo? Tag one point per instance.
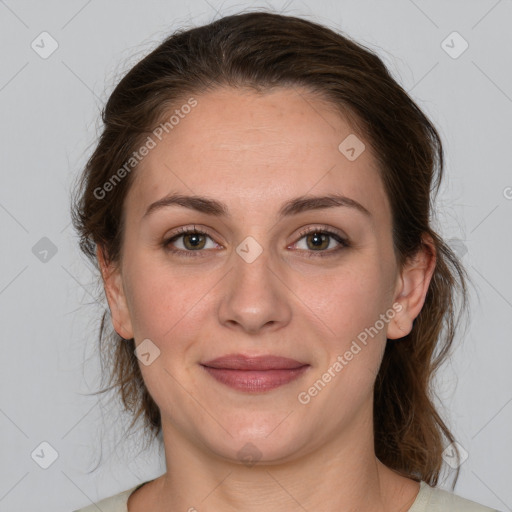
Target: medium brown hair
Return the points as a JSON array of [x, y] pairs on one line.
[[262, 50]]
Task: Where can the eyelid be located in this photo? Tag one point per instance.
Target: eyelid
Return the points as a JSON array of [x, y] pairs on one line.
[[322, 228]]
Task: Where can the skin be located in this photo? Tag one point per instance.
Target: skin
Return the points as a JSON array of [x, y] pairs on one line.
[[253, 152]]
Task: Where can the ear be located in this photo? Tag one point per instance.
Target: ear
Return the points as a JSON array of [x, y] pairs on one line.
[[412, 287], [113, 285]]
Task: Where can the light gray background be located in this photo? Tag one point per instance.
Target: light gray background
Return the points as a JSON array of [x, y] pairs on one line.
[[50, 119]]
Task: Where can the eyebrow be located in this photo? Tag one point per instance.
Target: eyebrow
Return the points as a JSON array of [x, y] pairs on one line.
[[292, 207]]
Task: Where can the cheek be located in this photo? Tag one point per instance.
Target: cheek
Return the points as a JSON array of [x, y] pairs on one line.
[[163, 301], [347, 300], [349, 304]]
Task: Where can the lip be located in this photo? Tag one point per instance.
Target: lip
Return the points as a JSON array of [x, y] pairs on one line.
[[243, 362], [254, 374]]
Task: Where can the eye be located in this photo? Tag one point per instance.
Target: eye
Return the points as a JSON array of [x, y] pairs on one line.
[[317, 240], [193, 240]]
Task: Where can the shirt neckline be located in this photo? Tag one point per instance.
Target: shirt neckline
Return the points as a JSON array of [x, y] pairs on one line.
[[418, 505]]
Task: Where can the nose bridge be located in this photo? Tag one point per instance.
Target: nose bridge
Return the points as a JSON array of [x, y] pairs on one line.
[[255, 296]]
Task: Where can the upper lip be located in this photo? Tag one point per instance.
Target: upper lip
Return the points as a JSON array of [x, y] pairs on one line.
[[242, 362]]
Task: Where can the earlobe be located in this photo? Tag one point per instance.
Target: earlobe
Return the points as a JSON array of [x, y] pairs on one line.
[[412, 287], [114, 291]]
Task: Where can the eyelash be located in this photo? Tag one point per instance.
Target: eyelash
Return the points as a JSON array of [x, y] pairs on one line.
[[344, 243]]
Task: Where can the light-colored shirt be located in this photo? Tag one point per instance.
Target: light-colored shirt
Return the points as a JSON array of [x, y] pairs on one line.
[[429, 499]]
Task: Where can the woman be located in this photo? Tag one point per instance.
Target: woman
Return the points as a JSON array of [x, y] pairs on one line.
[[258, 206]]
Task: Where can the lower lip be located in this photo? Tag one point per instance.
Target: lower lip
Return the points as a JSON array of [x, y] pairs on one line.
[[255, 380]]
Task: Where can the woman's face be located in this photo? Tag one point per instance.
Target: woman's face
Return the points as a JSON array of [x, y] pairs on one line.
[[258, 284]]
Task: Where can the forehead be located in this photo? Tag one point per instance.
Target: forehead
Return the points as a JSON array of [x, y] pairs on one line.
[[258, 150]]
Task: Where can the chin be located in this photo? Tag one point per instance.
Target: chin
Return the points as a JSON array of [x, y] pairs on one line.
[[260, 443]]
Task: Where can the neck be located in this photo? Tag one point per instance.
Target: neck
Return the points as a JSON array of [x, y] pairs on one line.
[[341, 474]]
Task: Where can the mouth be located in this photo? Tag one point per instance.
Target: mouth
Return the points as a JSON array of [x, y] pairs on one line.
[[254, 374]]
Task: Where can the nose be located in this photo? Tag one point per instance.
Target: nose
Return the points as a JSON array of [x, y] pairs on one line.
[[255, 295]]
